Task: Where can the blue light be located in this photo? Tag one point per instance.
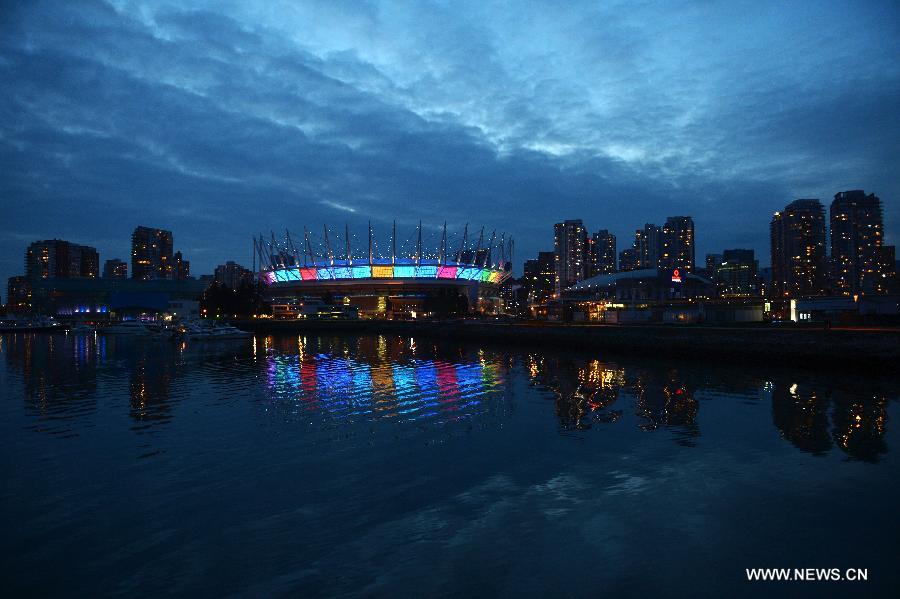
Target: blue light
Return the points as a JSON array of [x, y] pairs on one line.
[[362, 272], [404, 272], [427, 272], [342, 272]]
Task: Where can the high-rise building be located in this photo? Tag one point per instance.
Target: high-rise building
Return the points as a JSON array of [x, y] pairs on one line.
[[677, 248], [858, 262], [603, 253], [58, 259], [736, 273], [232, 275], [182, 267], [18, 295], [571, 249], [647, 243], [151, 254], [540, 277], [115, 269], [628, 260], [712, 263], [798, 250]]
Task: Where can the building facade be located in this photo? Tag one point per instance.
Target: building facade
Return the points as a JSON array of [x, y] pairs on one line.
[[182, 267], [628, 260], [232, 275], [859, 263], [603, 253], [677, 250], [540, 278], [572, 254], [151, 254], [647, 243], [18, 295], [798, 250], [59, 259], [736, 274], [115, 269]]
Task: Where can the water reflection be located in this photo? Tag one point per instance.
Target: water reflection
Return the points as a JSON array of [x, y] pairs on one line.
[[380, 377], [816, 422], [815, 418], [343, 381]]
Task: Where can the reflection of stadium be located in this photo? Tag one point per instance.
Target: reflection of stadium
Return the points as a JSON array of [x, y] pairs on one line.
[[413, 278], [378, 377]]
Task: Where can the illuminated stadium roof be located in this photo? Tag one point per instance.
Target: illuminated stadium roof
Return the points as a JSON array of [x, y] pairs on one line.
[[453, 260]]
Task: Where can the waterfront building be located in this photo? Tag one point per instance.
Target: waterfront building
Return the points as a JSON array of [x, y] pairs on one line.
[[639, 295], [18, 295], [408, 282], [798, 250], [571, 248], [736, 274], [677, 250], [858, 259], [603, 253], [647, 243], [115, 269], [540, 278], [232, 275], [151, 254], [59, 259], [628, 260]]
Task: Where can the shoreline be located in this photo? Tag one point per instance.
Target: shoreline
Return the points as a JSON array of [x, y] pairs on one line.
[[796, 347]]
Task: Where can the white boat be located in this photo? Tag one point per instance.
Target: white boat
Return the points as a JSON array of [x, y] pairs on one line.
[[207, 330], [127, 327]]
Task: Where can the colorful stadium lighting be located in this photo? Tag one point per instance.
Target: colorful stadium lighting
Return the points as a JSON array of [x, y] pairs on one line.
[[382, 272], [362, 272], [308, 274], [426, 272], [404, 272], [342, 272], [447, 272]]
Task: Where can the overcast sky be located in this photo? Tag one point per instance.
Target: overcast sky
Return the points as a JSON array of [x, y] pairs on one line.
[[234, 118]]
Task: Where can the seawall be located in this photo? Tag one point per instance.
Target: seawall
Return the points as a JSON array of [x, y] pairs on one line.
[[796, 347]]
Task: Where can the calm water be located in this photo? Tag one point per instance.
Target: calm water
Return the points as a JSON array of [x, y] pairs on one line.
[[394, 466]]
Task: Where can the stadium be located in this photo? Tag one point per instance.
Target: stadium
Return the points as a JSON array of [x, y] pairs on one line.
[[428, 274]]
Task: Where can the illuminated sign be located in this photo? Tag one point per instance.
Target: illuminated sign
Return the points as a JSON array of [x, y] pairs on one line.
[[676, 276]]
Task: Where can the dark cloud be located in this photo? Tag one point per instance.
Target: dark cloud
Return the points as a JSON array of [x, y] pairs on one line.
[[227, 120]]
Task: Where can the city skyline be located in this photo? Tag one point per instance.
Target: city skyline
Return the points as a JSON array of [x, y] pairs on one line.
[[216, 123]]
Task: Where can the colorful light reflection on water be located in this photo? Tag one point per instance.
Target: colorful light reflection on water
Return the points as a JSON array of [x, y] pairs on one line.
[[382, 379]]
